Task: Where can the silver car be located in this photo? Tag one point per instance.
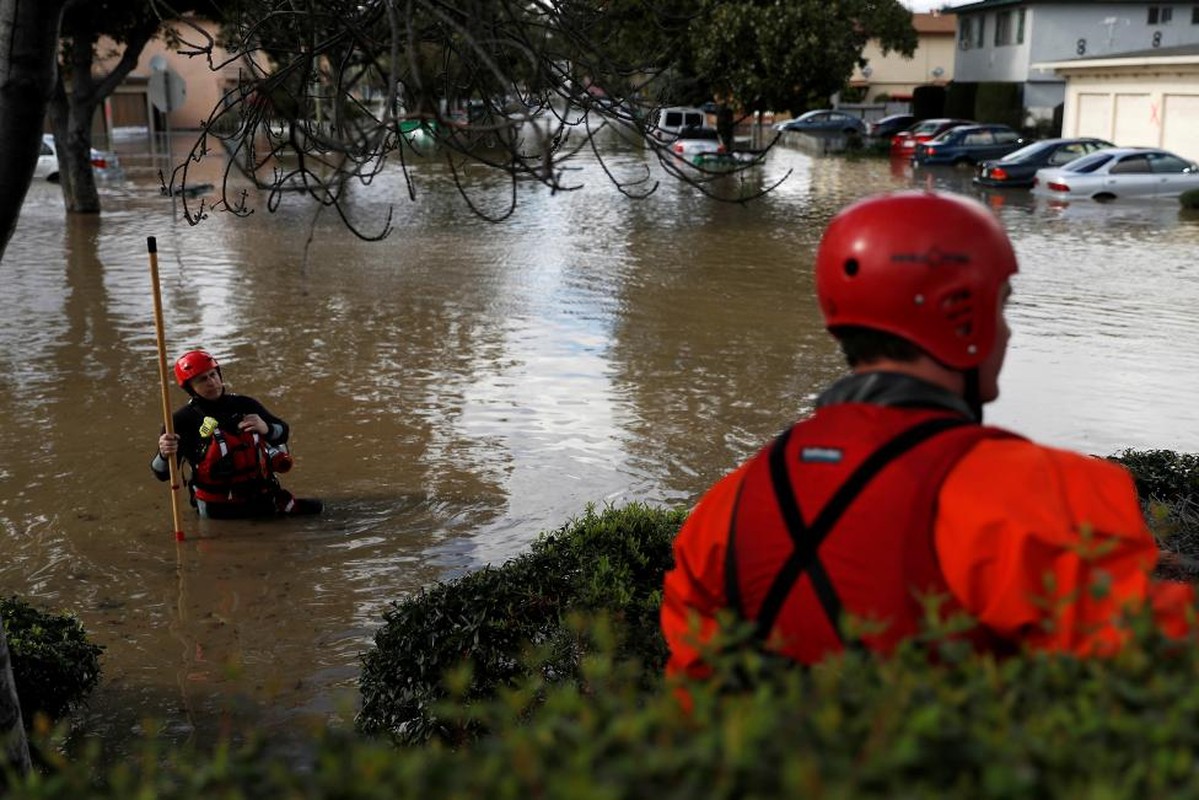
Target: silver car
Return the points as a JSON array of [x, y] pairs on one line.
[[1119, 172]]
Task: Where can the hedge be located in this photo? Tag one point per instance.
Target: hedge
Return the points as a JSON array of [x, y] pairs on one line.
[[54, 664]]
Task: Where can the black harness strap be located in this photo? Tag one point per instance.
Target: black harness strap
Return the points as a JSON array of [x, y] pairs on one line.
[[807, 539]]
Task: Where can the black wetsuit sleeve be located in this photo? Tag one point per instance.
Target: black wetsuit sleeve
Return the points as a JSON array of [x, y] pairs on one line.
[[186, 422], [278, 431]]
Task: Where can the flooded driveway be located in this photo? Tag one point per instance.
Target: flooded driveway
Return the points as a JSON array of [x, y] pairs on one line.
[[462, 386]]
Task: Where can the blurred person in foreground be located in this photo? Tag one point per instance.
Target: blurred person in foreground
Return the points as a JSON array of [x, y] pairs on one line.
[[893, 491], [234, 447]]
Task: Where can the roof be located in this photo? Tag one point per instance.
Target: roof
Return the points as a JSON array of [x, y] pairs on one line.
[[986, 5], [1179, 54], [934, 22]]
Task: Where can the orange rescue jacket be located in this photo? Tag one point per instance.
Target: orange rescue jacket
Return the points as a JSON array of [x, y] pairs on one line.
[[974, 513]]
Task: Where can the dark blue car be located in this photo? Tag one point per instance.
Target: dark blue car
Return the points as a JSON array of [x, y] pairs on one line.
[[968, 144]]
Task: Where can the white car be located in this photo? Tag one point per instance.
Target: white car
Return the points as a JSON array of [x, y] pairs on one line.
[[106, 165], [695, 145], [1119, 172]]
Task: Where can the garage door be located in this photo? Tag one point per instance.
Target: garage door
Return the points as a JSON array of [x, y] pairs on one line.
[[1181, 120], [1094, 115], [1136, 125]]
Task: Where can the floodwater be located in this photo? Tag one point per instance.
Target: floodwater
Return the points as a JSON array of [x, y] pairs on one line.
[[461, 386]]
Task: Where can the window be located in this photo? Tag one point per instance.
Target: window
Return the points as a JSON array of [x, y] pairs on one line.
[[1006, 137], [972, 33], [1167, 163], [979, 138], [1065, 155], [1161, 15], [1089, 163], [1003, 28], [1195, 15], [1020, 26], [1132, 164]]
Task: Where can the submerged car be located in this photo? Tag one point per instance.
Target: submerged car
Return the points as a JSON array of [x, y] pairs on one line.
[[887, 127], [1119, 172], [696, 143], [824, 121], [904, 143], [1018, 168], [105, 164], [967, 144]]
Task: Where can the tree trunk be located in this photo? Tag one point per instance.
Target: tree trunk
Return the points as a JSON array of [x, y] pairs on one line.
[[77, 95], [28, 45], [71, 119], [12, 730]]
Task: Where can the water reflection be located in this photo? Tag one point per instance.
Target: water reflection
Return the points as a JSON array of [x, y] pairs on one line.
[[462, 386]]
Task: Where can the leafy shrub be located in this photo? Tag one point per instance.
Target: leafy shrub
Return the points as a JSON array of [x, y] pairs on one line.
[[1163, 475], [612, 561], [961, 725], [54, 665], [1168, 485]]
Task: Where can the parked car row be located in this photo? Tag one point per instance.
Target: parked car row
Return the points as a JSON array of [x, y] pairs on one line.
[[1060, 168]]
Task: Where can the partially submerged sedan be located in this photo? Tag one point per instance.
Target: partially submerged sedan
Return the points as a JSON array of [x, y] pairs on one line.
[[1119, 172], [106, 165], [1017, 169], [967, 144]]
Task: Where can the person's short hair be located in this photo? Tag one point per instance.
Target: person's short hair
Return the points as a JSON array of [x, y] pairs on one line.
[[867, 345]]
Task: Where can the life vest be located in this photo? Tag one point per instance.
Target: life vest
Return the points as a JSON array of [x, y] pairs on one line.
[[235, 468], [835, 519]]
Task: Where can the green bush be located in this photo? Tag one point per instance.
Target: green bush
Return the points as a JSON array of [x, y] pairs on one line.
[[1189, 199], [611, 561], [54, 665], [1163, 475], [960, 725]]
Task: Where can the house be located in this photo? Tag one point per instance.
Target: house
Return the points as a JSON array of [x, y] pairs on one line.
[[895, 76], [130, 106], [1148, 98], [1004, 40]]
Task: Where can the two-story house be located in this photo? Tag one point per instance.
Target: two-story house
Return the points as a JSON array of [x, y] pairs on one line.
[[895, 76], [1003, 40]]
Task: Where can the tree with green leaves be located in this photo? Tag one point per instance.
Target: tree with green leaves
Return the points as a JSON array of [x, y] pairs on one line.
[[763, 55], [335, 89]]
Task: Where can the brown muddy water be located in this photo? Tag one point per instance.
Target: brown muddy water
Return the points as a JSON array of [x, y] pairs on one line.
[[462, 386]]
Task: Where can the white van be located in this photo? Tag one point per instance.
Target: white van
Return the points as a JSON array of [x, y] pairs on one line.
[[672, 120]]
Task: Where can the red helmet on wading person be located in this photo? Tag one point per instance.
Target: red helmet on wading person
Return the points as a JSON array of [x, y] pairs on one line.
[[924, 266], [193, 363]]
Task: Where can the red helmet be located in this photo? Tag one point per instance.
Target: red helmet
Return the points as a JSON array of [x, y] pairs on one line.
[[921, 265], [193, 363]]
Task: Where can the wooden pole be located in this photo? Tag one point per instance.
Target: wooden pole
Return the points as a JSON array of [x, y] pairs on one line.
[[167, 420]]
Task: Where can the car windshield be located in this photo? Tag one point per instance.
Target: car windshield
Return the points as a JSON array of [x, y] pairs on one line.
[[1088, 163], [698, 133], [926, 127]]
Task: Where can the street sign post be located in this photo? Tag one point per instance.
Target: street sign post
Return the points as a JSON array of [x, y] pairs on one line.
[[167, 92]]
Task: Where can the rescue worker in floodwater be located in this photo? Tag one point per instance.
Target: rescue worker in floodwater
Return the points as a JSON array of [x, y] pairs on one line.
[[233, 445], [893, 490]]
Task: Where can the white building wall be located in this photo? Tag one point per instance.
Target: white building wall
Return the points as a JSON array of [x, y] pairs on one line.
[[1062, 31], [1137, 108]]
